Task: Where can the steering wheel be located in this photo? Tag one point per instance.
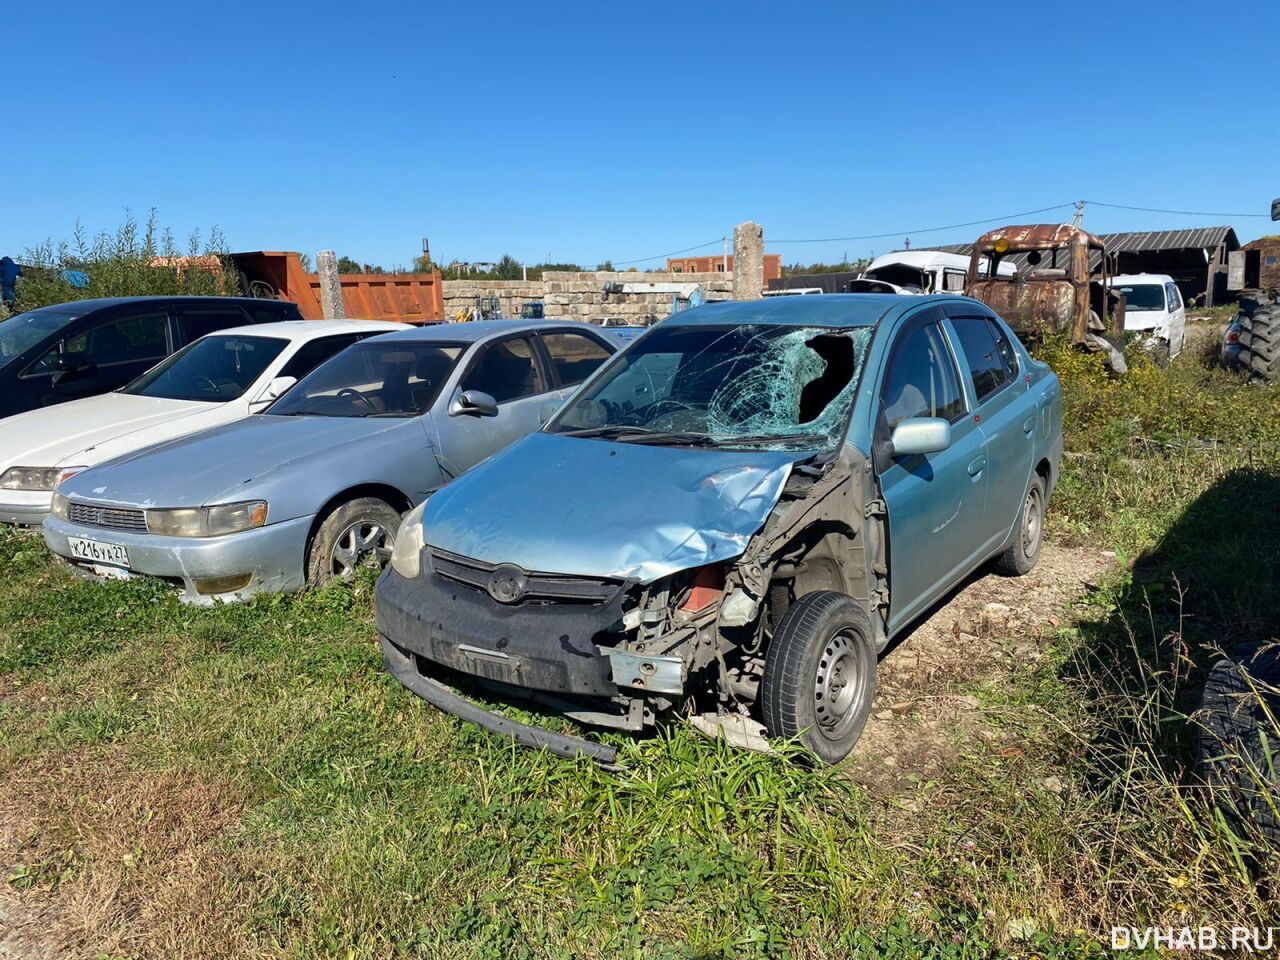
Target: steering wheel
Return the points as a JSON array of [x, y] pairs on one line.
[[349, 392]]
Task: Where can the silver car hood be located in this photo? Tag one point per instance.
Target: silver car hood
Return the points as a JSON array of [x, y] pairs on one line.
[[555, 504], [221, 465]]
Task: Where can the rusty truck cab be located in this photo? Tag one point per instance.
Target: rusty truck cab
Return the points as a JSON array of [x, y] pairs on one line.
[[1052, 291]]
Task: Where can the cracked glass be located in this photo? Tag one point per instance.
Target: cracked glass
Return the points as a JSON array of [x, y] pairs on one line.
[[766, 385]]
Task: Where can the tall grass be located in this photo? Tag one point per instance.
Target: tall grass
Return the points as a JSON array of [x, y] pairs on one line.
[[132, 260]]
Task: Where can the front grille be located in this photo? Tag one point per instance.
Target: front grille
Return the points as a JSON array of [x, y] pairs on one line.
[[537, 587], [110, 518]]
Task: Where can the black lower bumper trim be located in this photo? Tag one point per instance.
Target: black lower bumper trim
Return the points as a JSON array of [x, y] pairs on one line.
[[441, 697]]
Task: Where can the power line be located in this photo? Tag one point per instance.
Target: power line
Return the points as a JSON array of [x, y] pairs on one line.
[[951, 226], [1181, 213], [663, 256]]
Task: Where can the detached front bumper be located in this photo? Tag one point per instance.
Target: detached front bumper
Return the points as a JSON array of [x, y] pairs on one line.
[[274, 555], [26, 508]]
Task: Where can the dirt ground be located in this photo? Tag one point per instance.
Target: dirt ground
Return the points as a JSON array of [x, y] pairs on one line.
[[990, 627]]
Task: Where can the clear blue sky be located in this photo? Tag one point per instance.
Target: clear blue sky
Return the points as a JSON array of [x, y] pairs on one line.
[[588, 131]]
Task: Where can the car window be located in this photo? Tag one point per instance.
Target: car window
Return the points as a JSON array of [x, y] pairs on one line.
[[921, 380], [1171, 293], [216, 369], [373, 379], [311, 355], [1141, 296], [202, 322], [989, 368], [124, 340], [23, 331], [574, 356], [1007, 355], [505, 370], [953, 281]]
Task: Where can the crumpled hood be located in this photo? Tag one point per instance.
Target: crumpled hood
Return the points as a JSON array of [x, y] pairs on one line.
[[56, 436], [227, 463], [555, 504]]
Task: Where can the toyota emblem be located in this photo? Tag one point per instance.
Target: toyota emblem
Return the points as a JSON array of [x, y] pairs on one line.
[[507, 584]]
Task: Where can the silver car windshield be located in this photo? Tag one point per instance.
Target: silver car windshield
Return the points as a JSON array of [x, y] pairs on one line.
[[1142, 296], [23, 331], [766, 385], [215, 369], [373, 379]]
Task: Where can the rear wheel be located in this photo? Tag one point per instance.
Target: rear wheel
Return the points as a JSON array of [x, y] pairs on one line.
[[356, 534], [820, 674], [1024, 553]]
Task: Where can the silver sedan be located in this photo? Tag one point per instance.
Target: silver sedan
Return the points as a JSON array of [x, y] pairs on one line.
[[316, 486]]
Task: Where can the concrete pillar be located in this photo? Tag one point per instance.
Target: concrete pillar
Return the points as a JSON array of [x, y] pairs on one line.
[[330, 285], [748, 261]]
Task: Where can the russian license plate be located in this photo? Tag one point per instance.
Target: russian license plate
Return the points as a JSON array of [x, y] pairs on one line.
[[96, 552]]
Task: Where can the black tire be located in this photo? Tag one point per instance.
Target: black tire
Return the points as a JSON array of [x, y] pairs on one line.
[[1024, 553], [351, 535], [1260, 342], [1239, 744], [820, 674]]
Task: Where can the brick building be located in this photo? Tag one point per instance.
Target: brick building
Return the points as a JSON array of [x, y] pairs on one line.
[[717, 264]]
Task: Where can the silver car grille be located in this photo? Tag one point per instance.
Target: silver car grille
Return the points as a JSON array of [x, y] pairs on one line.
[[110, 518]]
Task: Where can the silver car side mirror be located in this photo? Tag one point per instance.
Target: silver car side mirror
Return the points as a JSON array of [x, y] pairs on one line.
[[548, 410], [473, 402], [920, 435]]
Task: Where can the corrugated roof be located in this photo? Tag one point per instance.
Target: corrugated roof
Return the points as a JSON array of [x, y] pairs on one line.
[[1136, 241]]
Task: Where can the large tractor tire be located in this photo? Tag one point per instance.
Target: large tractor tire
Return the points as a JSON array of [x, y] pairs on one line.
[[1260, 342], [1239, 721]]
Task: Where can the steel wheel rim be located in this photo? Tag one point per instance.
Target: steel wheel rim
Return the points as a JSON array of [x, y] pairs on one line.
[[360, 541], [839, 685], [1032, 521]]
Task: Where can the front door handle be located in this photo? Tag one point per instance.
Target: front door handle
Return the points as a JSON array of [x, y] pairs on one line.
[[977, 465], [1029, 426]]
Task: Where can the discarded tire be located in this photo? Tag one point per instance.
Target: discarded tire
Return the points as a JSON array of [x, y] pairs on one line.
[[1240, 742], [1260, 342]]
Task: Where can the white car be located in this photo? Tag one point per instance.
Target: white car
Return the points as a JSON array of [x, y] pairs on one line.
[[219, 378], [1153, 305]]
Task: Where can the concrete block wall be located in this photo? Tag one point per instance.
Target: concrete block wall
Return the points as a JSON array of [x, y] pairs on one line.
[[581, 296]]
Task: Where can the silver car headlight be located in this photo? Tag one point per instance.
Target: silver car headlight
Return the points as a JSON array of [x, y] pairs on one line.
[[61, 506], [215, 521], [35, 478], [406, 558]]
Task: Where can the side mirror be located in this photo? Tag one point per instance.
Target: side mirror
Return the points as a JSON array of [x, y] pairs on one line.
[[548, 410], [920, 435], [473, 402], [71, 369], [1275, 209], [274, 390]]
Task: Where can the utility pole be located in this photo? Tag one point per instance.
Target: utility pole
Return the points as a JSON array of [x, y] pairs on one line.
[[1078, 220], [724, 257], [906, 243]]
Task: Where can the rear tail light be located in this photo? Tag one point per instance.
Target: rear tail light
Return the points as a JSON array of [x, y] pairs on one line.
[[708, 587], [1233, 336]]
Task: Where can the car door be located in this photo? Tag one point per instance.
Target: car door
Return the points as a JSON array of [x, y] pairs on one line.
[[935, 502], [104, 353], [1177, 318], [511, 371], [1005, 412]]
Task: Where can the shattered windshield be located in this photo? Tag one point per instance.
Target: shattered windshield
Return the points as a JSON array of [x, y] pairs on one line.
[[767, 385]]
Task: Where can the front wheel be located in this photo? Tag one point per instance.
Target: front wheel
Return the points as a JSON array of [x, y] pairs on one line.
[[820, 674], [355, 534]]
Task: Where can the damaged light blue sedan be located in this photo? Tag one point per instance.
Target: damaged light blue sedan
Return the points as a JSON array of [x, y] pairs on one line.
[[733, 517]]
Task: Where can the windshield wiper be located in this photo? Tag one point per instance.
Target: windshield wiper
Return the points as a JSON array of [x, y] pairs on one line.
[[756, 438], [638, 434]]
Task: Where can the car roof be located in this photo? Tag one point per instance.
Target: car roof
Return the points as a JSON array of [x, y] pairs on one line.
[[100, 303], [476, 330], [310, 329], [1142, 278], [828, 310], [919, 258]]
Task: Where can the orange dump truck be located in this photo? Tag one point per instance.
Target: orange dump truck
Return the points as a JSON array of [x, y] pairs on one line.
[[406, 297]]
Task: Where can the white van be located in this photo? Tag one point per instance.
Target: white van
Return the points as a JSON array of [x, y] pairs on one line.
[[1153, 305], [919, 271]]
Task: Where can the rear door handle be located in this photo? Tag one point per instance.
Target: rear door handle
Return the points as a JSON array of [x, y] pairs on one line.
[[1029, 426], [977, 465]]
